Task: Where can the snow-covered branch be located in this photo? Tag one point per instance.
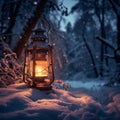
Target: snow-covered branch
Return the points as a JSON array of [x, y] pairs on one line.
[[10, 69]]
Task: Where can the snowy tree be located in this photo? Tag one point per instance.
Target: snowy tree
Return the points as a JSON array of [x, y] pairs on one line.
[[10, 69], [100, 16]]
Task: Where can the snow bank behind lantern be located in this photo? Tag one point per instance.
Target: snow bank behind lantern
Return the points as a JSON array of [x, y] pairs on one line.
[[10, 69]]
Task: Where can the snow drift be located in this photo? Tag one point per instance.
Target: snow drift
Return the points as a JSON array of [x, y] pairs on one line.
[[19, 102]]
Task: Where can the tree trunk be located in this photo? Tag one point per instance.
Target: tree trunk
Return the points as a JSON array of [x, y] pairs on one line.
[[91, 55], [116, 9], [14, 9], [31, 24], [103, 47], [118, 30]]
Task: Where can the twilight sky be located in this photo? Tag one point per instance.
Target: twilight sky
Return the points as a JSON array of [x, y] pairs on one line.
[[70, 18]]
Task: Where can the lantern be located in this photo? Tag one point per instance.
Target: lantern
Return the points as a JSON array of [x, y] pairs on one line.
[[38, 66]]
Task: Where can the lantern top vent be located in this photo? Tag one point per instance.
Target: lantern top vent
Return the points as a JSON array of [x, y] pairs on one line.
[[39, 30], [39, 35]]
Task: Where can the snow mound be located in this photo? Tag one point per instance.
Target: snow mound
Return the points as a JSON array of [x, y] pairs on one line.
[[19, 102], [114, 106]]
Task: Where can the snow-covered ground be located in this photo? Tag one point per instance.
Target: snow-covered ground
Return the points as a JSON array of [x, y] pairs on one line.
[[19, 102]]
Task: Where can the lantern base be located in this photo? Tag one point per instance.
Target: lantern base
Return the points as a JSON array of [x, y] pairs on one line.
[[43, 87]]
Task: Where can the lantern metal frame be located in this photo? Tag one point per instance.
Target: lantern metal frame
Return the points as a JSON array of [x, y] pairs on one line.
[[33, 54]]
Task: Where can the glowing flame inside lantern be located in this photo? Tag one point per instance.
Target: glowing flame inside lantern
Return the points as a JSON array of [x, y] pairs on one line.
[[41, 69]]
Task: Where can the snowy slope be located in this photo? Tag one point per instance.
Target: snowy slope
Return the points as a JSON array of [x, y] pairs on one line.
[[19, 102]]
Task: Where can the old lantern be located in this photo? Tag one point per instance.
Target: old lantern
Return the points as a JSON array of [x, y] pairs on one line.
[[38, 67]]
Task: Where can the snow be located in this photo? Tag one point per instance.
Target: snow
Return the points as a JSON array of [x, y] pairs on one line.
[[90, 84], [20, 102], [10, 69]]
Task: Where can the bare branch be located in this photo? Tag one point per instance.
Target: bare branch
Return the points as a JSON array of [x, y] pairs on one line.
[[106, 42], [115, 7], [91, 55]]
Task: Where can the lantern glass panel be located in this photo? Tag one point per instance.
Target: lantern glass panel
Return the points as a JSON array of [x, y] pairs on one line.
[[41, 68], [41, 64], [29, 65]]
